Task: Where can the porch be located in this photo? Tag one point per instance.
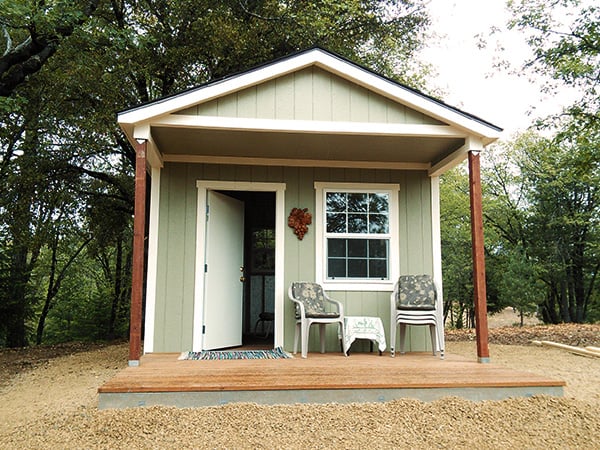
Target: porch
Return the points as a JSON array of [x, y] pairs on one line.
[[161, 379]]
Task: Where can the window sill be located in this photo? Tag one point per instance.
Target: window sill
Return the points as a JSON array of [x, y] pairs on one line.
[[347, 285]]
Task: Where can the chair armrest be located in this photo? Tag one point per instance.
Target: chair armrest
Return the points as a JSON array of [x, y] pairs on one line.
[[393, 297], [340, 306], [300, 304]]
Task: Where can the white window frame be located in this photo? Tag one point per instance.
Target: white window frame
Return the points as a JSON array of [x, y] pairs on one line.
[[321, 243]]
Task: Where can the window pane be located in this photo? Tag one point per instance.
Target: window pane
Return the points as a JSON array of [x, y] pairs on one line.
[[378, 248], [336, 202], [336, 223], [357, 202], [378, 223], [336, 248], [378, 203], [336, 268], [357, 268], [357, 223], [357, 258], [357, 248], [378, 268]]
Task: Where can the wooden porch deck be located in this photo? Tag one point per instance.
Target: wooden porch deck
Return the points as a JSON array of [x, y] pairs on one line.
[[161, 379]]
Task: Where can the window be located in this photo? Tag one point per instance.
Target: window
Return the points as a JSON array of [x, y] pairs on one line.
[[357, 234]]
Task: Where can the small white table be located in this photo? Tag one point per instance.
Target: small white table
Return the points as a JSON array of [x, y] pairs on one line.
[[361, 327]]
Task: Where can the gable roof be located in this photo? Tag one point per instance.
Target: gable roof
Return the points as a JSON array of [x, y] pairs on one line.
[[137, 121], [324, 59]]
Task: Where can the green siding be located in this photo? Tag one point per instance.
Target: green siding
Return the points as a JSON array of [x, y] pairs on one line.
[[177, 243], [296, 96]]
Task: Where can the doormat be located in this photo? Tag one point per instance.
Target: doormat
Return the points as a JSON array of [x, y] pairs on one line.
[[276, 353]]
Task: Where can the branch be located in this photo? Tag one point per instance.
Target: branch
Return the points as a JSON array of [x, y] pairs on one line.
[[28, 57]]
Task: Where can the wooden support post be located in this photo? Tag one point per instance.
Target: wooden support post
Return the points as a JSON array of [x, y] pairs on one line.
[[137, 270], [479, 286]]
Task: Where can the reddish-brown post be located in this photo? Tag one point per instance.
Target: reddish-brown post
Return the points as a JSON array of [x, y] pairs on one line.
[[479, 287], [137, 270]]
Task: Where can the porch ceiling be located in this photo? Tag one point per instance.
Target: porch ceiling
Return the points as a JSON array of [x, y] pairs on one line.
[[194, 143]]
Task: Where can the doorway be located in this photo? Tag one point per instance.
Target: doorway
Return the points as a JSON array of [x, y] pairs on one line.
[[258, 314], [261, 294]]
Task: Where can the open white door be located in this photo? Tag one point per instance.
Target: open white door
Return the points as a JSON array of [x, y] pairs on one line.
[[223, 288]]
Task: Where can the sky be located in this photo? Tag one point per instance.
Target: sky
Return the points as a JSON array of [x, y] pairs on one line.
[[466, 74]]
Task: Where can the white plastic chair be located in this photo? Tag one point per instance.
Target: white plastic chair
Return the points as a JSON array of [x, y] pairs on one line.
[[310, 303], [414, 302]]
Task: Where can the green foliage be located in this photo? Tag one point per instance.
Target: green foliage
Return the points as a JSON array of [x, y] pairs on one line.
[[564, 36], [520, 285], [65, 167], [545, 206]]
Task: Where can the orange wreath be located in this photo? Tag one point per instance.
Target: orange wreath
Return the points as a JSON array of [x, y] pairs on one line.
[[299, 220]]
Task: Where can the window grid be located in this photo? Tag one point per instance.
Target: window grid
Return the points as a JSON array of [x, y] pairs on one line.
[[357, 235]]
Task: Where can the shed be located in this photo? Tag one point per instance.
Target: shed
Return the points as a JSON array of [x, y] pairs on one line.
[[228, 162]]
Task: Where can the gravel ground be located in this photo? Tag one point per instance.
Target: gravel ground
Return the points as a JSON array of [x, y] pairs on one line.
[[48, 400]]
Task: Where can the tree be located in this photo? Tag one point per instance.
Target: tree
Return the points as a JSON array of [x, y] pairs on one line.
[[38, 28], [564, 36], [544, 206], [74, 65], [457, 256]]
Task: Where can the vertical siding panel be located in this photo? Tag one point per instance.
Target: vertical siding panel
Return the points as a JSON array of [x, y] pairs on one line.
[[275, 174], [359, 105], [190, 228], [292, 251], [208, 109], [243, 173], [377, 111], [340, 100], [247, 103], [265, 101], [227, 173], [172, 338], [413, 116], [303, 95], [396, 113], [322, 95], [162, 255], [284, 106], [227, 106], [209, 172], [258, 174]]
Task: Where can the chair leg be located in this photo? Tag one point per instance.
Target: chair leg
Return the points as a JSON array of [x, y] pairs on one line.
[[434, 340], [296, 335], [440, 340], [393, 337], [343, 340], [322, 336], [304, 332], [402, 338]]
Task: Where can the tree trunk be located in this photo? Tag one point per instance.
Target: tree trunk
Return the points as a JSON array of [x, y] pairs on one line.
[[19, 277], [54, 283], [118, 282], [564, 302]]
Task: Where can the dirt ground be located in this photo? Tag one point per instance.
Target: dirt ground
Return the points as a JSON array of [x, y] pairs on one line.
[[48, 399]]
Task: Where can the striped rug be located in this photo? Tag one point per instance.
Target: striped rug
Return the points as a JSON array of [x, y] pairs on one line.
[[275, 353]]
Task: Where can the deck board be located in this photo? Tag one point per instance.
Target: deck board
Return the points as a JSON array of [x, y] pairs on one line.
[[414, 372]]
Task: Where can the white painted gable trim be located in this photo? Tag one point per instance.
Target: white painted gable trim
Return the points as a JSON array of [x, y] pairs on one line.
[[307, 126], [326, 61]]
